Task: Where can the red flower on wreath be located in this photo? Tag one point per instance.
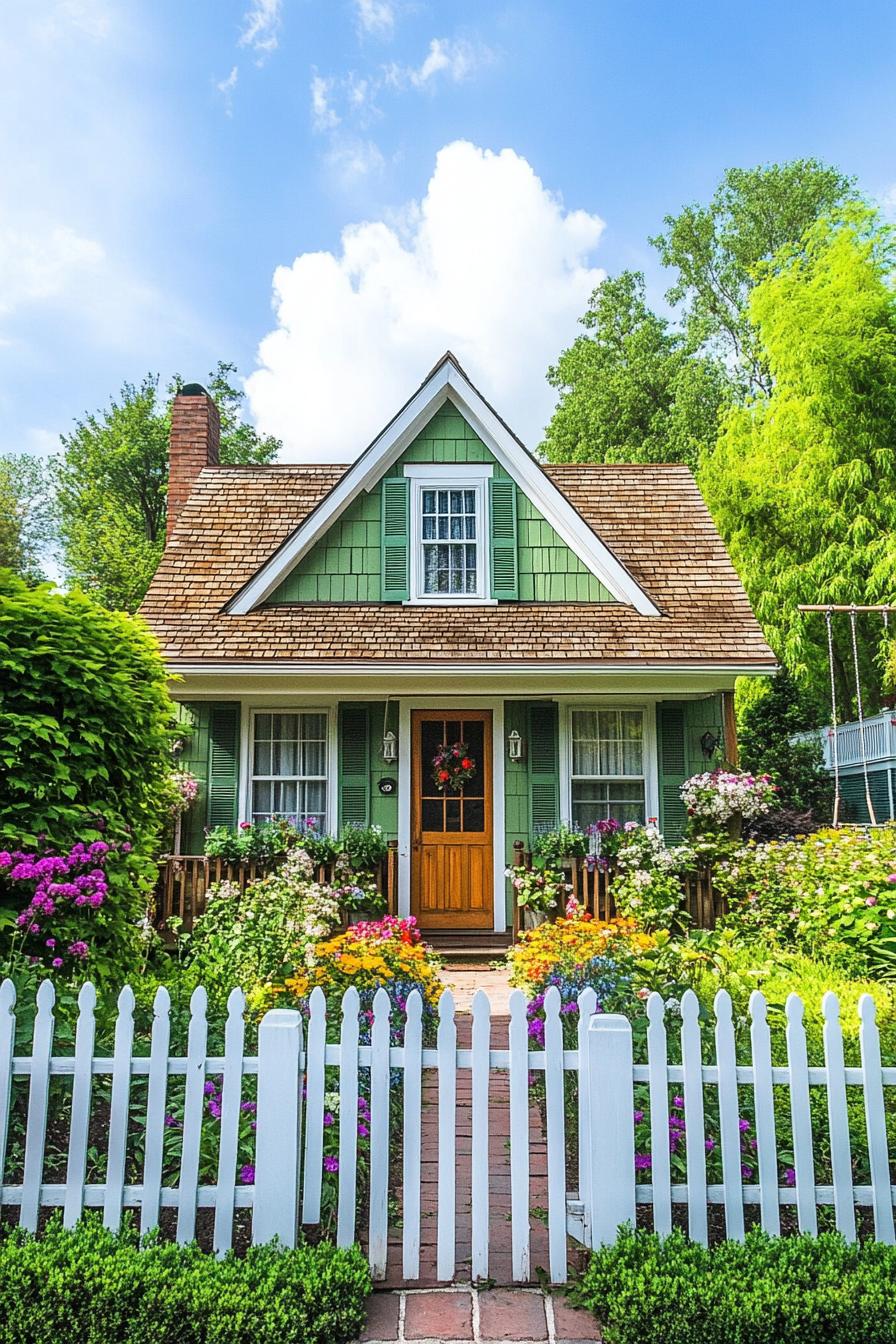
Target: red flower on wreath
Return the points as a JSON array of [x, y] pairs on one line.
[[452, 766]]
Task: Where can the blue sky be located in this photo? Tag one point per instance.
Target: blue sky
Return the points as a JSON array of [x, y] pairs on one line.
[[330, 193]]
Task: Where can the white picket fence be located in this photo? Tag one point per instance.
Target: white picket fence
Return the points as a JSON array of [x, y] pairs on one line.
[[291, 1082]]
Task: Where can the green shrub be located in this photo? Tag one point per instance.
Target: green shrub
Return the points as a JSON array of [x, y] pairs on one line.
[[765, 1290], [89, 1286]]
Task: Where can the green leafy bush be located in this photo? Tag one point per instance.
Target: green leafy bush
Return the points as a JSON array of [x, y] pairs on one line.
[[765, 1290], [88, 1286], [551, 848], [830, 895], [85, 732], [366, 847]]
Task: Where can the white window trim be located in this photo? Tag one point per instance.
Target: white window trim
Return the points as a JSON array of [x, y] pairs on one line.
[[247, 755], [449, 476], [651, 761]]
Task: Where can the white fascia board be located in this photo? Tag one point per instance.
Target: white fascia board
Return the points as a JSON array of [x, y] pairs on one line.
[[388, 447], [535, 483], [368, 469]]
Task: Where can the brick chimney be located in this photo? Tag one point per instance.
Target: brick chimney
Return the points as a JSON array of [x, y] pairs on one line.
[[194, 444]]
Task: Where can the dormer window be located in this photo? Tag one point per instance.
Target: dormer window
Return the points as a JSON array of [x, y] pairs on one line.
[[449, 560]]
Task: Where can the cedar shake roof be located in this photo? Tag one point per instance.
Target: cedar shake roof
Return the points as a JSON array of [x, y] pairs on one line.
[[652, 517]]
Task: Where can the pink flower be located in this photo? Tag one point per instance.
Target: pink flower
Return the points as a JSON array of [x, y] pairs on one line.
[[331, 1164], [871, 900]]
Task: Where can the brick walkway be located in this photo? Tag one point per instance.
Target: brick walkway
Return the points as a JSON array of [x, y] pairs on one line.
[[465, 982], [463, 1314]]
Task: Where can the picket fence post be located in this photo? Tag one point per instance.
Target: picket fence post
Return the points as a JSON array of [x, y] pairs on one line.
[[612, 1138], [275, 1211]]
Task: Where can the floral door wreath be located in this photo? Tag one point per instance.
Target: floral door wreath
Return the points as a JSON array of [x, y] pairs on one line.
[[452, 766]]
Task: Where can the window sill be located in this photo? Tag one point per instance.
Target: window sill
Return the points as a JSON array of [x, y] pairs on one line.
[[450, 602]]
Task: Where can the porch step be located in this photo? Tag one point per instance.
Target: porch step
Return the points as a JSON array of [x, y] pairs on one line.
[[468, 945]]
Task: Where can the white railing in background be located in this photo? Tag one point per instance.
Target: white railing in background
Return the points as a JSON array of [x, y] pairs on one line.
[[880, 741], [292, 1081]]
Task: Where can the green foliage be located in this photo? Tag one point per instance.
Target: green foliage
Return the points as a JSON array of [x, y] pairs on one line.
[[551, 848], [802, 482], [765, 1290], [832, 895], [112, 484], [716, 248], [254, 937], [85, 723], [25, 515], [767, 724], [631, 390], [88, 1286], [366, 847]]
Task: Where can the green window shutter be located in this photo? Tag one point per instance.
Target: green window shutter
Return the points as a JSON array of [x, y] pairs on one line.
[[502, 522], [223, 758], [193, 718], [396, 500], [544, 769], [673, 768], [354, 766]]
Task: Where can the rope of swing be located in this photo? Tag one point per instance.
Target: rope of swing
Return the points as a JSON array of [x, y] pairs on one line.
[[835, 746]]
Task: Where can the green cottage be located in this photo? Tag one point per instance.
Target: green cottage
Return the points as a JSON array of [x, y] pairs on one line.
[[574, 631]]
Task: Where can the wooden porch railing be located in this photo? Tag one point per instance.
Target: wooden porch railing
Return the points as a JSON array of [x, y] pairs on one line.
[[184, 880], [593, 888]]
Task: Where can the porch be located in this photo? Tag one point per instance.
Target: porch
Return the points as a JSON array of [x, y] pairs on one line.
[[879, 754]]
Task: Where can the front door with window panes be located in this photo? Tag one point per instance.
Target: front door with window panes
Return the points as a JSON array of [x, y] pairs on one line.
[[452, 866], [449, 523], [289, 768], [607, 765]]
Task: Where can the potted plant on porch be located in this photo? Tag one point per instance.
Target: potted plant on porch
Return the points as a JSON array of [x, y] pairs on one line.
[[538, 892]]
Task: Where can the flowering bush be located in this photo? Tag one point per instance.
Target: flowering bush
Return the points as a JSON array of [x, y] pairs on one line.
[[718, 796], [539, 889], [184, 788], [832, 894], [564, 947], [253, 937], [647, 885], [387, 953], [68, 918]]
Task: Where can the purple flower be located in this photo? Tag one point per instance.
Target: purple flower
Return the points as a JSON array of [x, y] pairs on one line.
[[247, 1174], [331, 1164], [789, 1176], [209, 1088], [678, 1102], [638, 1117], [642, 1162], [329, 1119], [743, 1126], [170, 1122], [79, 949], [56, 963], [746, 1171], [363, 1131], [710, 1145]]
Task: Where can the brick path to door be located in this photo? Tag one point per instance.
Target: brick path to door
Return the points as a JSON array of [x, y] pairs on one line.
[[427, 1310]]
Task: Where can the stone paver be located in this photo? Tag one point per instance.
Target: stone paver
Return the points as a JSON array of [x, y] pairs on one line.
[[443, 1316], [463, 981], [506, 1313], [467, 1316]]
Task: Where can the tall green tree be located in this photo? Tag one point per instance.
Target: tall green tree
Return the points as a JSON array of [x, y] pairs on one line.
[[630, 389], [802, 481], [26, 518], [112, 479], [716, 249]]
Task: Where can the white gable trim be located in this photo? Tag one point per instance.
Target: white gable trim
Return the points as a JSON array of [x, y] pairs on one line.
[[445, 383]]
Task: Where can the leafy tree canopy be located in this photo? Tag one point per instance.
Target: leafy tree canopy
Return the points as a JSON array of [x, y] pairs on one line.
[[802, 482], [771, 713], [112, 479], [25, 515], [716, 248], [630, 390]]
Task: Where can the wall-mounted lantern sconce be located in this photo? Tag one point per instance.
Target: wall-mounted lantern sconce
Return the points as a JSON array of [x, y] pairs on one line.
[[514, 746], [390, 747], [710, 743]]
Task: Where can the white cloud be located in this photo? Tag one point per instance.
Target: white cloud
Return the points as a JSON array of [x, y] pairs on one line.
[[455, 58], [324, 116], [226, 87], [261, 27], [41, 260], [351, 159], [489, 264], [375, 16], [887, 201]]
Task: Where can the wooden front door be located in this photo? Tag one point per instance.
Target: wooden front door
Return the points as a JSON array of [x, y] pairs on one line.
[[452, 864]]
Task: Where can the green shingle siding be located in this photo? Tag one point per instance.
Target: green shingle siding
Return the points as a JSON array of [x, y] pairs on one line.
[[346, 564]]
